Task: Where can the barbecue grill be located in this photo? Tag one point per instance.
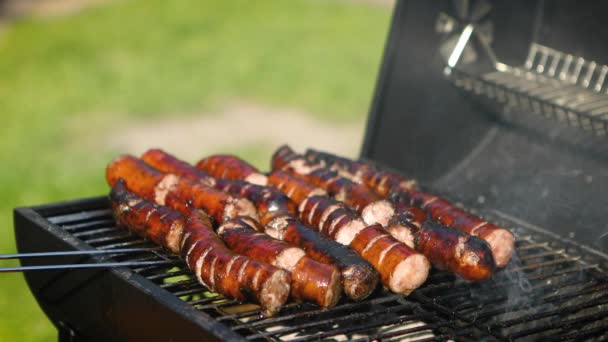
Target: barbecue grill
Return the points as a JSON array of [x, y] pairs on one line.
[[501, 107]]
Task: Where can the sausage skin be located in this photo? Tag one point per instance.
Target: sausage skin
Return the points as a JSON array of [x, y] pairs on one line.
[[276, 212], [215, 266], [231, 167], [403, 192], [176, 191], [372, 207], [311, 281]]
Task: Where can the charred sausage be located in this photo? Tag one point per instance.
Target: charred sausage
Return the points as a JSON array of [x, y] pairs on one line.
[[403, 193], [310, 280], [372, 207], [214, 265], [276, 213], [172, 190]]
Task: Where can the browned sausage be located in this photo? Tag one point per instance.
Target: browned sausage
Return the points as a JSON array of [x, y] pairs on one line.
[[270, 203], [173, 190], [310, 280], [501, 240], [276, 215], [372, 207], [403, 193], [382, 181], [334, 220], [359, 278], [296, 189], [231, 167], [401, 269], [214, 265]]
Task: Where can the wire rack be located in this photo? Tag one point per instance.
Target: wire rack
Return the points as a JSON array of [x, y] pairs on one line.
[[551, 83], [553, 289]]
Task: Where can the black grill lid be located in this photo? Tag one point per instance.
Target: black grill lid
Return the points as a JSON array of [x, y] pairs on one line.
[[485, 143]]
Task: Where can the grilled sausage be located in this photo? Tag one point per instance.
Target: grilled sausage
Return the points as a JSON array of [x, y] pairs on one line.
[[372, 207], [401, 269], [501, 240], [276, 215], [214, 265], [176, 191], [403, 192], [296, 189], [382, 181], [359, 278], [270, 203], [231, 167], [310, 280]]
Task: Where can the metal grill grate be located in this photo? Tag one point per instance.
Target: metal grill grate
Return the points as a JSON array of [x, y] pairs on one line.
[[551, 83], [553, 289]]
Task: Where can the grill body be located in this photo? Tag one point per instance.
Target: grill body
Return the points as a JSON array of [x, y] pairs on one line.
[[532, 173]]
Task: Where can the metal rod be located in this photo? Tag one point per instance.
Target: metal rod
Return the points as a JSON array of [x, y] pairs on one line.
[[77, 266], [69, 253]]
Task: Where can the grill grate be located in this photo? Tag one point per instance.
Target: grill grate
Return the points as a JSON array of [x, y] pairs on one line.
[[553, 289], [551, 83]]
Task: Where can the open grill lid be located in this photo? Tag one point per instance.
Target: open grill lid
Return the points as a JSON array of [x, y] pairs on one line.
[[477, 100]]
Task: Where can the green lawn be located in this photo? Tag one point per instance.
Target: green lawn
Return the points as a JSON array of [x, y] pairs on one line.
[[148, 58]]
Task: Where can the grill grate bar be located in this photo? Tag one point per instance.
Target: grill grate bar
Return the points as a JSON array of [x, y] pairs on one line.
[[517, 305], [98, 231], [429, 328], [80, 216], [89, 225], [349, 317], [223, 303], [113, 236], [542, 264], [561, 324], [555, 312], [367, 326], [166, 275], [315, 313], [241, 315], [124, 244], [205, 300], [182, 283], [539, 289]]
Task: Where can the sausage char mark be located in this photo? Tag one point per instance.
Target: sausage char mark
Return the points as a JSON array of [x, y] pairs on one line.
[[231, 167], [310, 280], [176, 191], [215, 266]]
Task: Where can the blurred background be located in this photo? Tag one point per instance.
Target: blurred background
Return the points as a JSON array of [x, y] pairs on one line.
[[84, 80]]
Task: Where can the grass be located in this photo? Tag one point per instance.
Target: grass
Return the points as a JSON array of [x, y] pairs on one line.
[[138, 59]]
